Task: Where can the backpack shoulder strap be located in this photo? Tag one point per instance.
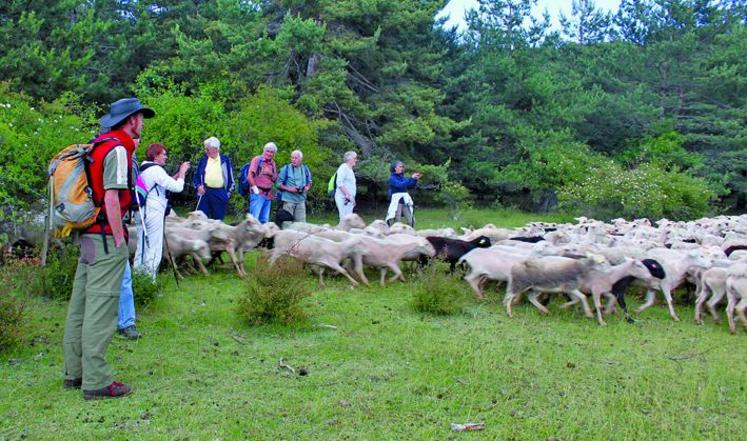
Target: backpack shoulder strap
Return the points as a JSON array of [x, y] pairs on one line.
[[147, 166], [285, 170], [308, 174]]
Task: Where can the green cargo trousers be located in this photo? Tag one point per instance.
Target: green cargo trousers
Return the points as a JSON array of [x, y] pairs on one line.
[[92, 313]]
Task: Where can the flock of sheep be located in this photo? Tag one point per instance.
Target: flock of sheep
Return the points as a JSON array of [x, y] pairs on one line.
[[586, 258]]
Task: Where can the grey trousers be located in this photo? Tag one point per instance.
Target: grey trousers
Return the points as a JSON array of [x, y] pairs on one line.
[[297, 209]]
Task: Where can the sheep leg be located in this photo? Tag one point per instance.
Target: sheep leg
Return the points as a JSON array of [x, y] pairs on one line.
[[474, 281], [240, 255], [578, 294], [621, 300], [397, 273], [702, 296], [730, 306], [611, 304], [200, 265], [740, 308], [336, 266], [532, 297], [569, 303], [358, 269], [650, 297], [320, 272], [670, 304], [508, 300], [232, 254], [713, 301], [597, 298], [382, 272]]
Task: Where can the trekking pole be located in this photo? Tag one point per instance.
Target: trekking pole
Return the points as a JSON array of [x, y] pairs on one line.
[[142, 224], [198, 202]]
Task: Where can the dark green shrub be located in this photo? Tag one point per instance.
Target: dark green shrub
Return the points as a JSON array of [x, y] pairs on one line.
[[274, 293], [12, 319], [436, 292], [55, 280], [144, 288]]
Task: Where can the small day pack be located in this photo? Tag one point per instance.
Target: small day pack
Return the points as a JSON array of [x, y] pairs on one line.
[[141, 190], [71, 205], [332, 186], [244, 180]]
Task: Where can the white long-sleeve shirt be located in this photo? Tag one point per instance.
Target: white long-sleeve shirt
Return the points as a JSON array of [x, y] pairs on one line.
[[156, 176], [346, 177]]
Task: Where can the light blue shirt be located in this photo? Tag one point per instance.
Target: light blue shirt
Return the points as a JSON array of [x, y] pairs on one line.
[[291, 176]]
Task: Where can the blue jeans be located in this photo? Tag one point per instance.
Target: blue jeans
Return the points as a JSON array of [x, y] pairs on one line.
[[259, 207], [126, 300], [213, 203]]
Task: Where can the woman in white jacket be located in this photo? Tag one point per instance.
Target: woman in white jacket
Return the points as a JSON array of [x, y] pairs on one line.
[[345, 185], [156, 183]]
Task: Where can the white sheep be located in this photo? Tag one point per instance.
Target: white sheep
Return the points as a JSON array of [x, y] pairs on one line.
[[316, 251], [492, 263], [736, 294], [550, 274]]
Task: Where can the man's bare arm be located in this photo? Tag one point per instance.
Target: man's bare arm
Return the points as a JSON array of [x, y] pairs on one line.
[[113, 216]]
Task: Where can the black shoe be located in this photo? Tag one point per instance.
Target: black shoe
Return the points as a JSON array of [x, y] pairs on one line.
[[130, 333], [72, 384]]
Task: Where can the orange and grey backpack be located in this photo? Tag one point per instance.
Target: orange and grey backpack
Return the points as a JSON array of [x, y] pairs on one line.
[[71, 204]]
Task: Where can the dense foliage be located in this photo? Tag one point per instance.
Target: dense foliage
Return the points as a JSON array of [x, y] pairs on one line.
[[509, 112]]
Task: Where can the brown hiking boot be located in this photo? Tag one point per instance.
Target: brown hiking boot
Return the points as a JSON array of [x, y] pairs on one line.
[[114, 390], [72, 384]]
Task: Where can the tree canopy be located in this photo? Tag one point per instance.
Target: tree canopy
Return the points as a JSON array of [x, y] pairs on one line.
[[511, 111]]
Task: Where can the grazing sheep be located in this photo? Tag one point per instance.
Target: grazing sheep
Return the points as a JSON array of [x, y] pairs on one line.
[[492, 263], [549, 274], [198, 249], [352, 220], [210, 233], [676, 264], [400, 228], [490, 231], [600, 281], [377, 228], [736, 294], [713, 280], [316, 251], [386, 254]]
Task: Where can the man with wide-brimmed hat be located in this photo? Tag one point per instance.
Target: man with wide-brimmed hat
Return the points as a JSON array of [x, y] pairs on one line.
[[92, 312]]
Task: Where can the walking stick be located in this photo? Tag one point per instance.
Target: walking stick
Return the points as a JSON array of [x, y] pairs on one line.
[[198, 201]]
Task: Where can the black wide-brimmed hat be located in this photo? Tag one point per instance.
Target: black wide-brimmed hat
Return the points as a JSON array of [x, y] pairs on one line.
[[123, 108]]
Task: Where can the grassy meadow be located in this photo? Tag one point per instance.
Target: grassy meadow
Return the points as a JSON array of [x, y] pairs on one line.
[[376, 369]]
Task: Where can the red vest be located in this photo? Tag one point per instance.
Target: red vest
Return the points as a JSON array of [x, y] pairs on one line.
[[96, 178]]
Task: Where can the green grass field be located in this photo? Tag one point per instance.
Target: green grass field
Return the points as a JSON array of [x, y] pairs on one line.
[[379, 370]]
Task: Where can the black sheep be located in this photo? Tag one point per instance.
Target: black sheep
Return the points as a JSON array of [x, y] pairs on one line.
[[621, 286], [528, 239], [733, 248], [451, 250]]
